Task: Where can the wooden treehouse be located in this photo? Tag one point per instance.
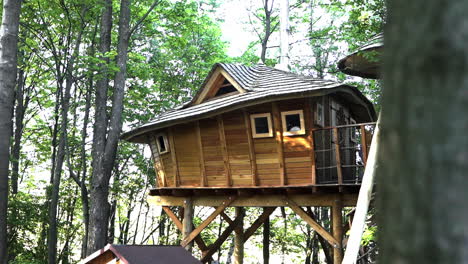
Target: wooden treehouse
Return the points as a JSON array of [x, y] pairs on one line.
[[260, 137]]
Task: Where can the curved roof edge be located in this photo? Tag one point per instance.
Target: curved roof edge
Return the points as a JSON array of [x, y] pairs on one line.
[[362, 105], [357, 64], [262, 84]]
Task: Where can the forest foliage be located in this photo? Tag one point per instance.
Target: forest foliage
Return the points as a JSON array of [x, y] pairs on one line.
[[172, 46]]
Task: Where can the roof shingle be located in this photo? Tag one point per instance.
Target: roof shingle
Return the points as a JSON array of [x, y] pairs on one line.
[[263, 84]]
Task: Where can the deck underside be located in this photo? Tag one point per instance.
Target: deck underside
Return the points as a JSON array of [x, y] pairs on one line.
[[316, 195]]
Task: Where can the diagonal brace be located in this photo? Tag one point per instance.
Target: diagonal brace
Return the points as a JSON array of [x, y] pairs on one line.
[[208, 220], [316, 226]]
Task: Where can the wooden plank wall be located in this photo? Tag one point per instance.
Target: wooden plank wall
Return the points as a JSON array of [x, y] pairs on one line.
[[212, 152], [297, 149], [191, 148], [268, 168], [238, 148], [186, 147]]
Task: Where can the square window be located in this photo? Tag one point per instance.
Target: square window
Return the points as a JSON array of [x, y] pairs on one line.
[[261, 125], [319, 115], [161, 141], [293, 123]]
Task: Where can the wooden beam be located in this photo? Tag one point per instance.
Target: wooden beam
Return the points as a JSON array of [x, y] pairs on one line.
[[215, 246], [279, 142], [239, 237], [226, 218], [252, 156], [187, 223], [337, 227], [222, 139], [365, 196], [260, 220], [207, 221], [200, 243], [274, 200], [309, 117], [364, 144], [316, 226], [336, 141], [173, 217], [175, 166], [204, 181]]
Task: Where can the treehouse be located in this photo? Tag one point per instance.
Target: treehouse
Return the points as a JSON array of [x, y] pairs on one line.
[[259, 136], [365, 62]]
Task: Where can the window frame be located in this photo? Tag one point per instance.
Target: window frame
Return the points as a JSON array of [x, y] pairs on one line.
[[353, 136], [319, 119], [166, 143], [253, 127], [299, 112]]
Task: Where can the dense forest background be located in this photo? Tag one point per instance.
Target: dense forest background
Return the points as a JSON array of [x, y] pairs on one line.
[[89, 69]]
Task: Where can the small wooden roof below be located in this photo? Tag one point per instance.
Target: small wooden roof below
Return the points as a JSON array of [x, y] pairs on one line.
[[143, 254], [365, 62]]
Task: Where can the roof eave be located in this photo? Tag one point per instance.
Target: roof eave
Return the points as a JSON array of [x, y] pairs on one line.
[[137, 135]]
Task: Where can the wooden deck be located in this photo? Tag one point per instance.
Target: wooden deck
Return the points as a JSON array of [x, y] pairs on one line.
[[316, 195]]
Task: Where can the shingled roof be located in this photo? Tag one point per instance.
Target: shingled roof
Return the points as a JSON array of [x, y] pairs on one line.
[[358, 64], [142, 254], [261, 84]]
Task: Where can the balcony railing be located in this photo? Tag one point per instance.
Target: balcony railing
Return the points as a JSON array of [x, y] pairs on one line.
[[341, 153]]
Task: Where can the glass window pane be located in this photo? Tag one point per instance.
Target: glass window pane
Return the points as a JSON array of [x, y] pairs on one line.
[[261, 125], [162, 144], [293, 123]]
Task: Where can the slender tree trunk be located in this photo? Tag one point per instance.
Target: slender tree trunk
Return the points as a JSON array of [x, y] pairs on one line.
[[69, 80], [8, 68], [266, 240], [19, 117], [99, 207], [423, 162], [83, 188], [97, 232], [267, 30], [284, 35]]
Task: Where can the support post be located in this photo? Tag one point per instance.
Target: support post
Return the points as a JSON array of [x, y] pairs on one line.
[[239, 238], [187, 222], [337, 227], [266, 240]]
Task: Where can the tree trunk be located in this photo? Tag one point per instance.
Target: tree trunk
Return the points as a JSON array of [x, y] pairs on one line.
[[423, 162], [8, 69], [69, 80], [19, 117], [267, 31], [97, 232], [266, 241], [239, 237], [104, 158], [284, 35], [83, 188]]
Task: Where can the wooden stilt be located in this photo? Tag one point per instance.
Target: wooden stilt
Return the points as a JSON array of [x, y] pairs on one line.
[[337, 221], [200, 243], [239, 238], [316, 226], [187, 222], [266, 239], [206, 256], [207, 221]]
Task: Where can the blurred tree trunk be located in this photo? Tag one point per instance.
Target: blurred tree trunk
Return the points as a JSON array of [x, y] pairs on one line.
[[8, 69], [422, 182]]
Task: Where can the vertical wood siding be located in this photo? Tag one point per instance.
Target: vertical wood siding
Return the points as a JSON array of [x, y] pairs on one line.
[[197, 150]]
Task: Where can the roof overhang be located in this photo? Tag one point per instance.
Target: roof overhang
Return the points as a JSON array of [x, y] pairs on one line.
[[362, 107], [363, 63]]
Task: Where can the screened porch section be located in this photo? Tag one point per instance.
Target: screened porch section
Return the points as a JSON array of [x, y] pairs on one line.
[[341, 153]]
